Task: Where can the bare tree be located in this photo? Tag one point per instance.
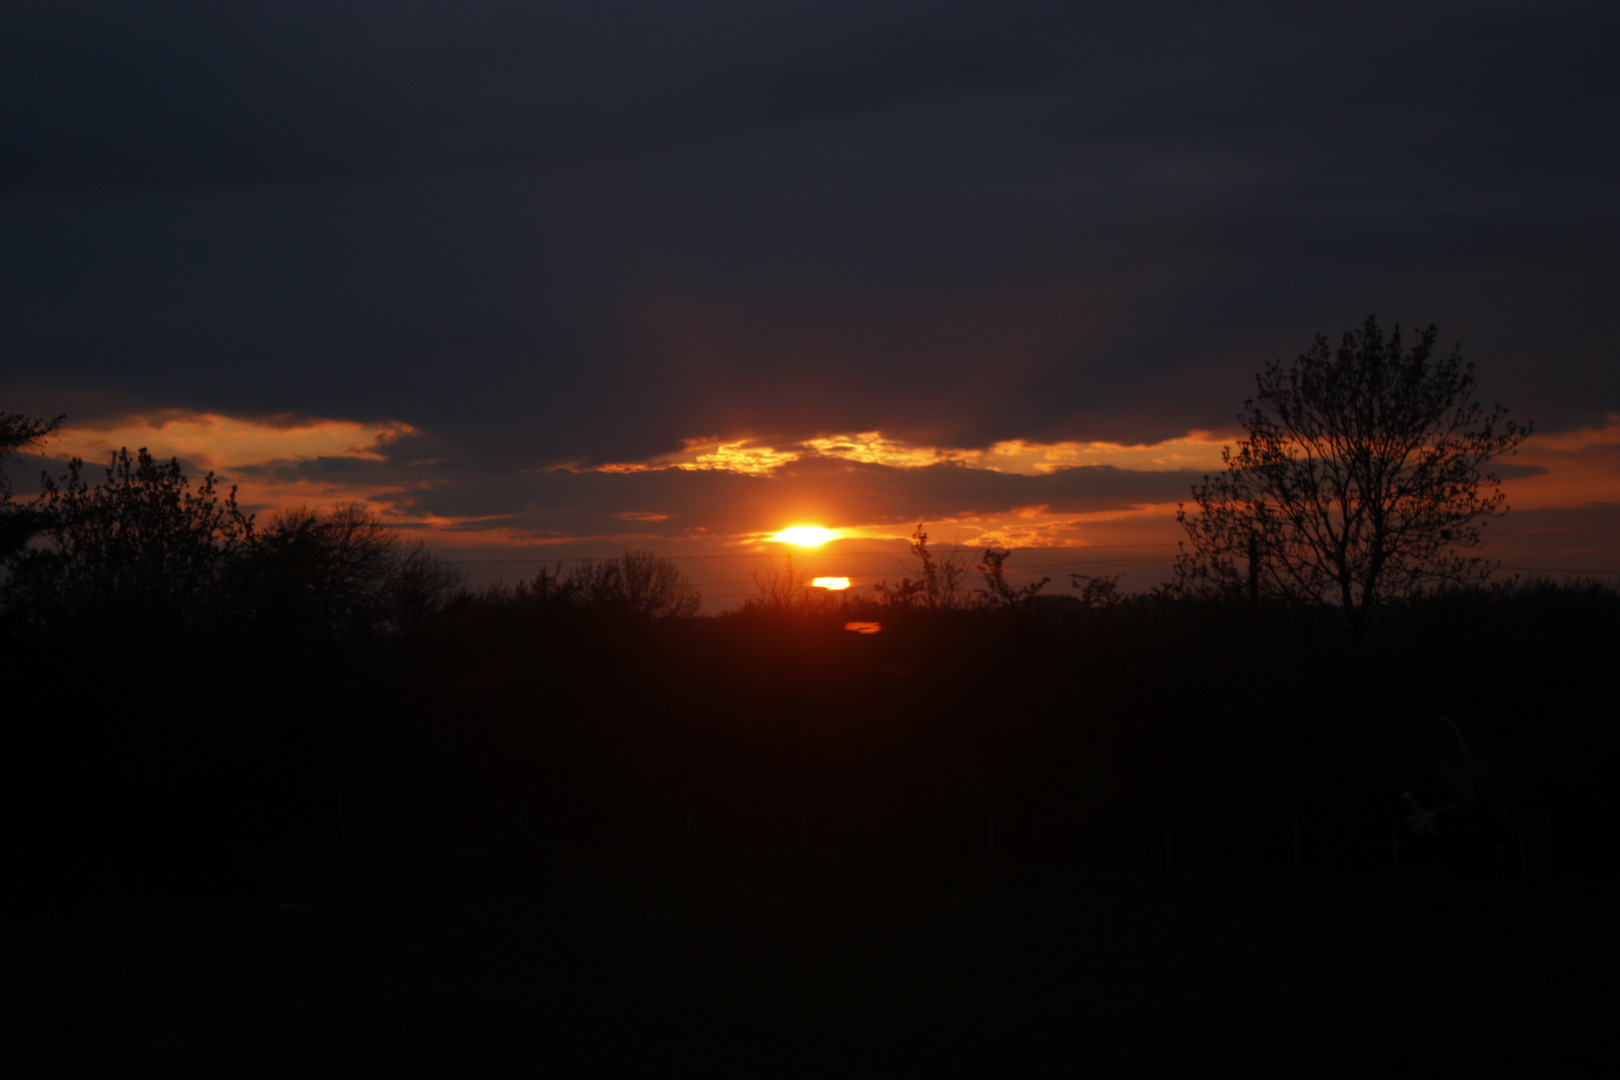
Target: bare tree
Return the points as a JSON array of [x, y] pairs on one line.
[[636, 583], [781, 590], [1360, 480], [789, 591]]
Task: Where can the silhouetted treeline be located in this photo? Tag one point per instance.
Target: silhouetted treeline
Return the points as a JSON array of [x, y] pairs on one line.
[[195, 695], [145, 549], [508, 721]]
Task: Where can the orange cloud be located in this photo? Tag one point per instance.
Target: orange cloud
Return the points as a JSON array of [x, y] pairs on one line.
[[258, 455], [1581, 466], [214, 441], [1150, 525], [1195, 450]]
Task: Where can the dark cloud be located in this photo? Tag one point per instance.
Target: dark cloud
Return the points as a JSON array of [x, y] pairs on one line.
[[545, 234], [113, 95], [220, 93]]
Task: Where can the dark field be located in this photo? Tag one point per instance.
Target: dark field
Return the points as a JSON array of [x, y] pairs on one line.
[[821, 965], [528, 836]]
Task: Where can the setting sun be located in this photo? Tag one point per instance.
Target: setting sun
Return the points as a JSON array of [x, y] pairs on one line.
[[831, 583], [805, 535]]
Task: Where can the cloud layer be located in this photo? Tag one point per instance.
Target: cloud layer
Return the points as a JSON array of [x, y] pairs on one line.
[[542, 236]]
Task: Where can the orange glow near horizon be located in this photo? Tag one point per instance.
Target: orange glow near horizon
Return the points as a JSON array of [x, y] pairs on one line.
[[287, 461], [805, 535], [1580, 466]]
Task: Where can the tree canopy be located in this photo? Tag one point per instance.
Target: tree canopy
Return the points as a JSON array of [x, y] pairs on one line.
[[342, 572], [1361, 480], [143, 540], [146, 544]]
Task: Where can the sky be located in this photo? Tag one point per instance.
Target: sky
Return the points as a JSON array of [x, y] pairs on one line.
[[543, 281]]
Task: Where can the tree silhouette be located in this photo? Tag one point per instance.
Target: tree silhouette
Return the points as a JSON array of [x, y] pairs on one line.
[[338, 573], [142, 542], [19, 523], [1359, 481], [637, 583], [784, 590], [1098, 591]]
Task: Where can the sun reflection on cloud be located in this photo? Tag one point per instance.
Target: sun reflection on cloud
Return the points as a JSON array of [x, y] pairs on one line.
[[739, 456], [874, 448], [1195, 450]]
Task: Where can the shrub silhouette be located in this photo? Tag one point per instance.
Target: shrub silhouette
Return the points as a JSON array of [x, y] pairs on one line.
[[938, 586]]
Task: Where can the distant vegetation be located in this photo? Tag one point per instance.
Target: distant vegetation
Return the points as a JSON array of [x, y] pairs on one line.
[[194, 693]]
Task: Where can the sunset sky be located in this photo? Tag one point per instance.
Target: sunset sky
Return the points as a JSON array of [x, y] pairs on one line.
[[542, 281]]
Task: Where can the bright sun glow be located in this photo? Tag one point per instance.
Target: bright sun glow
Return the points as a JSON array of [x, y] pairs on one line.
[[805, 535], [831, 582]]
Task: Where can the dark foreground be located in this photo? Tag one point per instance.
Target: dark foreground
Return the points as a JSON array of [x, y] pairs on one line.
[[817, 965]]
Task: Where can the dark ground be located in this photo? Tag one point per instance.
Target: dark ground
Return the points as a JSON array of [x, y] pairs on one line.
[[525, 838], [817, 964]]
